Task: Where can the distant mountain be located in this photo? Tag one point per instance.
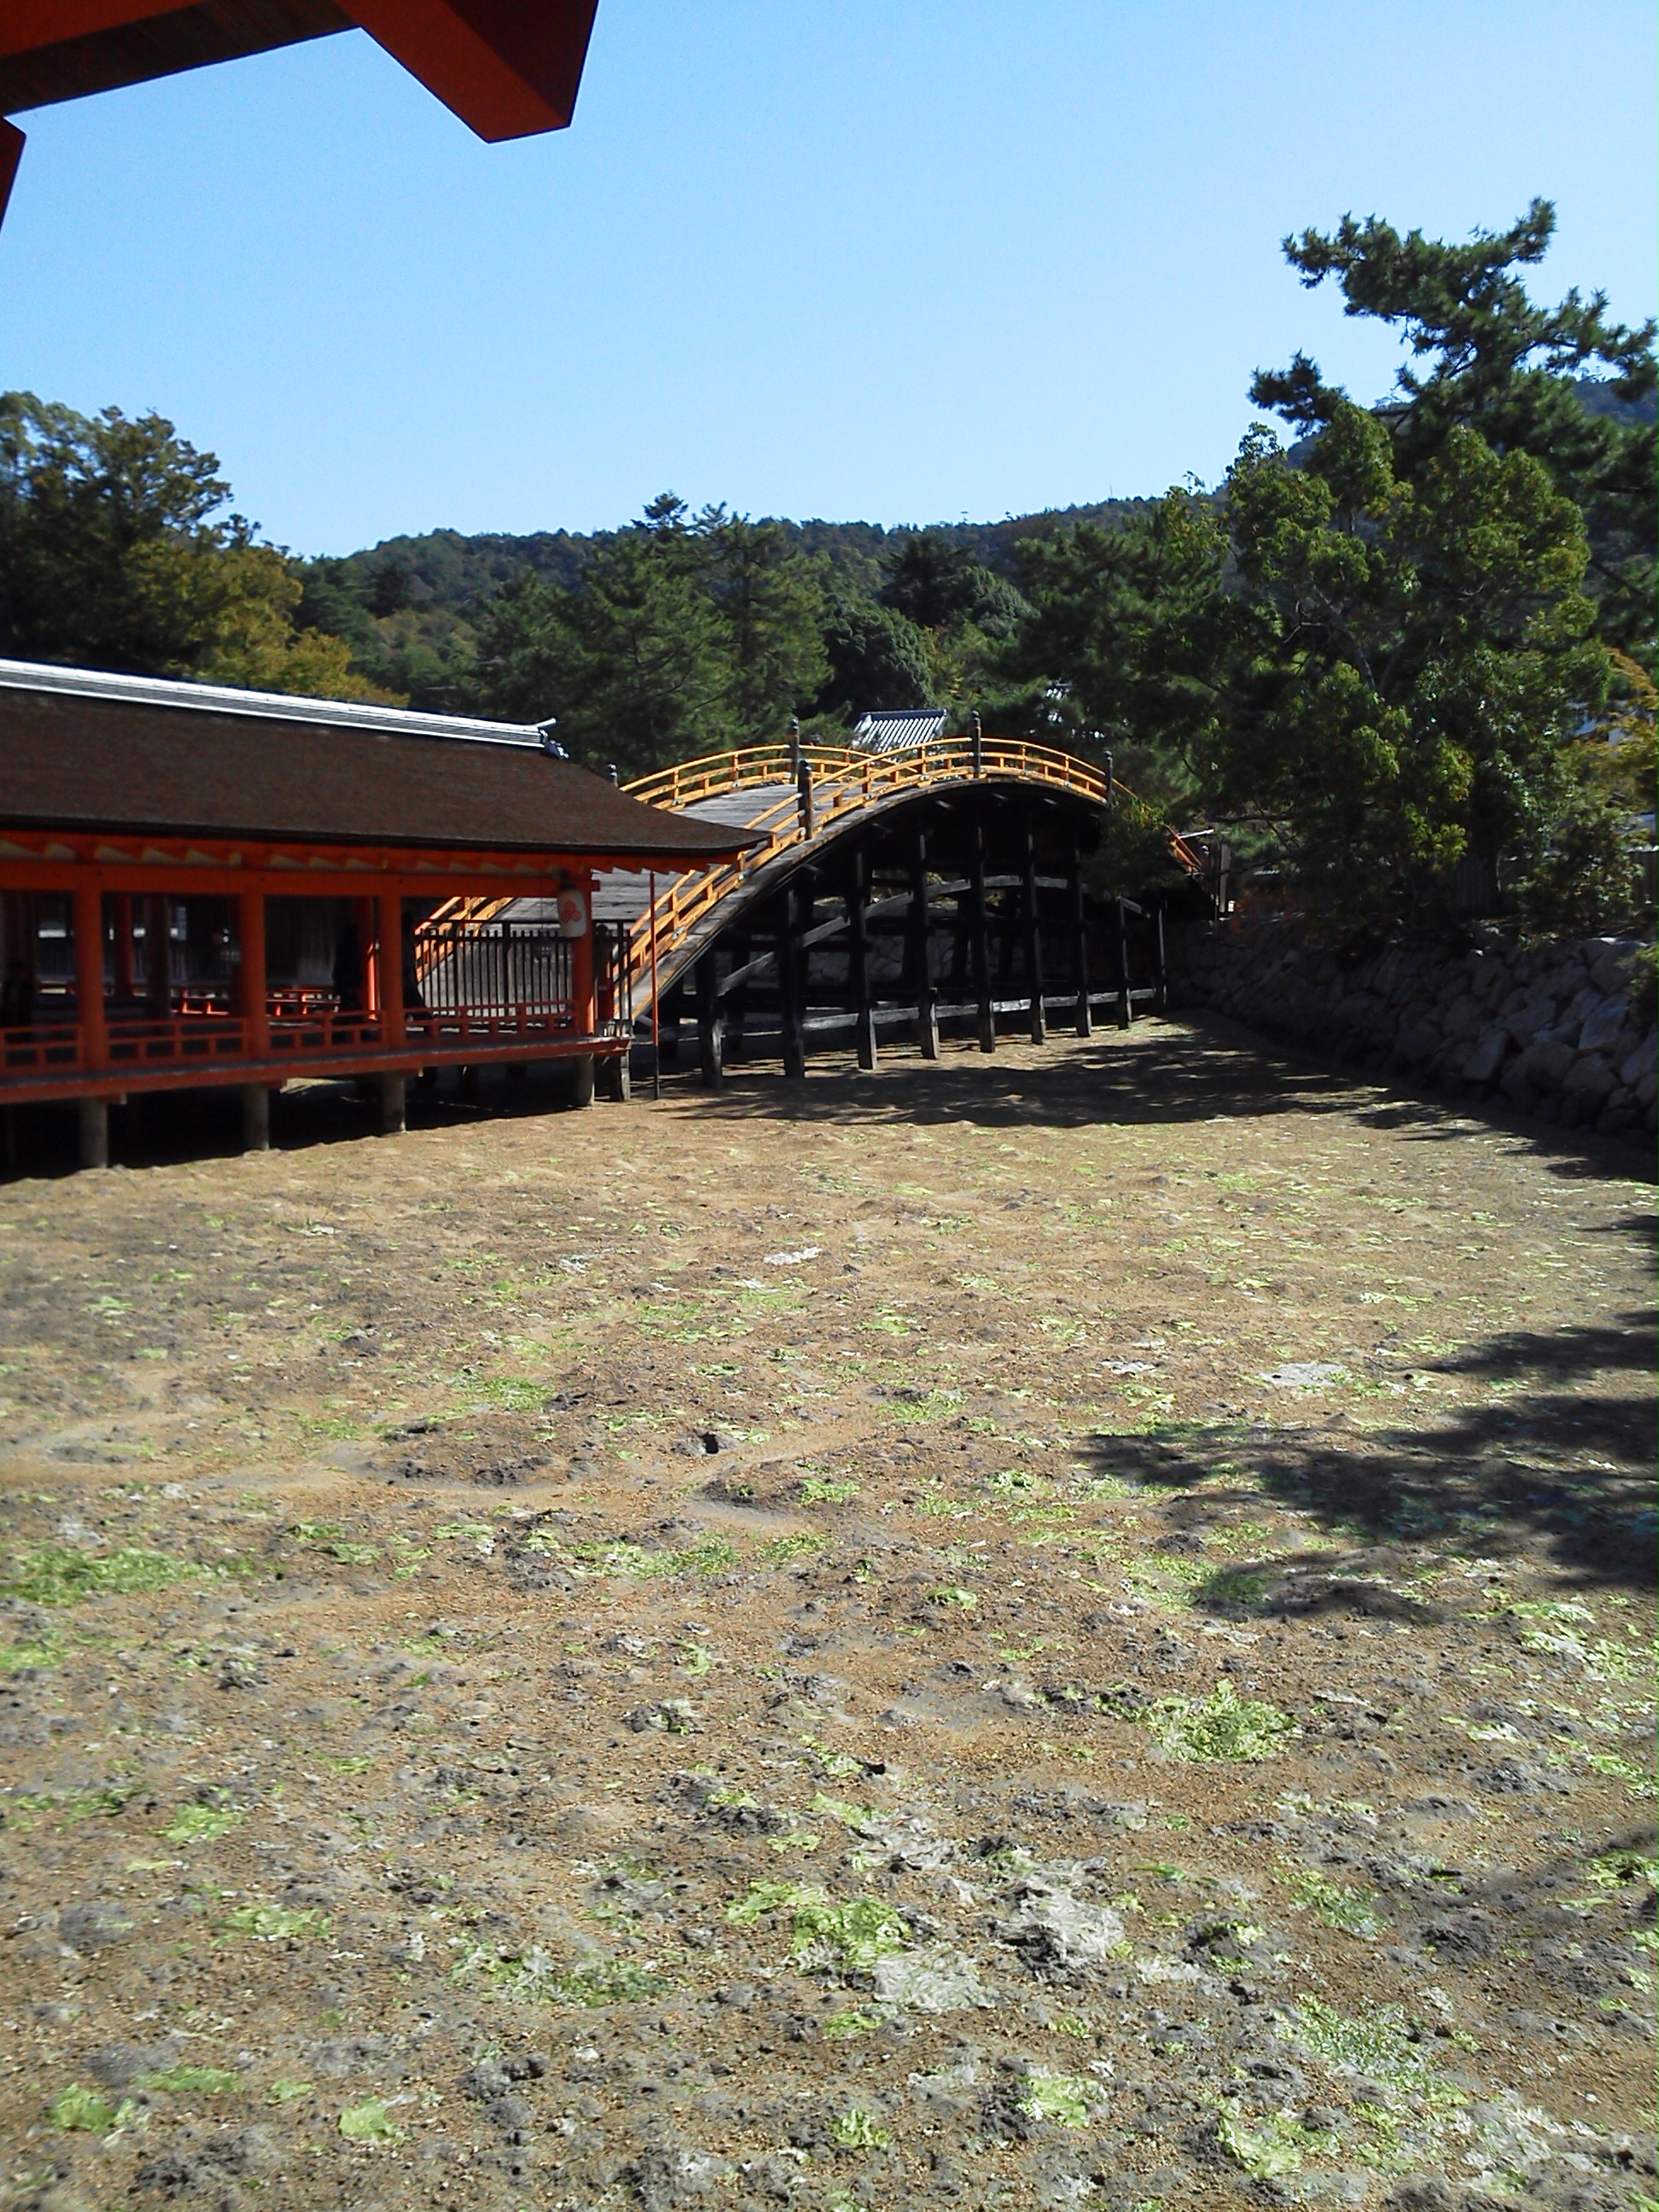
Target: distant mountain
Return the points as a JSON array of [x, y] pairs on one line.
[[1597, 396], [444, 569]]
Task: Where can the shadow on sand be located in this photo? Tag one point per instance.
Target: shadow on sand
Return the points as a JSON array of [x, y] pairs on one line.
[[1558, 1458]]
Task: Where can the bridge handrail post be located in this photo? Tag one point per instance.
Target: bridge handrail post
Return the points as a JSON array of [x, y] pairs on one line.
[[978, 739]]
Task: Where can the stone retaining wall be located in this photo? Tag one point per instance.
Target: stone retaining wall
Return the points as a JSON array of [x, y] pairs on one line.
[[1564, 1032]]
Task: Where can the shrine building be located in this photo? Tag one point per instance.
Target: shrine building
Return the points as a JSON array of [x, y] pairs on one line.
[[206, 886]]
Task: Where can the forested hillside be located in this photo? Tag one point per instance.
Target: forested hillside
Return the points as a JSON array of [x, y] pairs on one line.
[[410, 605]]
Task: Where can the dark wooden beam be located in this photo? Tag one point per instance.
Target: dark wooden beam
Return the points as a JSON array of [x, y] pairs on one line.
[[11, 153], [507, 68], [734, 999], [979, 926], [858, 956], [791, 1012], [711, 1024], [68, 49], [1085, 1019], [920, 949], [1033, 917]]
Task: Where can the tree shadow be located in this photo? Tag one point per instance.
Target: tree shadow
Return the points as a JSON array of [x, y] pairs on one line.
[[1563, 1464], [1560, 1457], [1156, 1074], [1197, 1067]]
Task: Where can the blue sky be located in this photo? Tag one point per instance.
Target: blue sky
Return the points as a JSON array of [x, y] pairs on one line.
[[900, 260]]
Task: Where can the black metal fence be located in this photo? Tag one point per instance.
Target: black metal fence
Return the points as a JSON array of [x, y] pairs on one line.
[[489, 967]]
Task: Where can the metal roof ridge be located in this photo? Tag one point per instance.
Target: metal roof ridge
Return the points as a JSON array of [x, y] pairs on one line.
[[269, 706]]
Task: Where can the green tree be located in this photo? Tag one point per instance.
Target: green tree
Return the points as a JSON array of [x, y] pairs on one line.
[[634, 661], [1387, 648], [1118, 650], [772, 604], [1403, 666], [877, 657], [111, 557], [1484, 357]]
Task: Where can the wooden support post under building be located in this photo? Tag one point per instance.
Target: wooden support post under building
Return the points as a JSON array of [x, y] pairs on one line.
[[94, 1116], [256, 1117], [981, 947], [921, 950], [1085, 1020], [1033, 937], [791, 1013], [858, 959], [1124, 1009], [711, 1024], [614, 1078]]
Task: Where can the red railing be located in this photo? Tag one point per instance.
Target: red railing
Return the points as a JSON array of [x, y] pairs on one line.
[[173, 1040], [325, 1031], [42, 1049], [51, 1050]]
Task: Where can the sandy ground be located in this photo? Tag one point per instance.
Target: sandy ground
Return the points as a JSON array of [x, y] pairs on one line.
[[1069, 1630]]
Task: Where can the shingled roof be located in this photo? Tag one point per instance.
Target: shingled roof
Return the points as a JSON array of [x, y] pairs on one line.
[[82, 751]]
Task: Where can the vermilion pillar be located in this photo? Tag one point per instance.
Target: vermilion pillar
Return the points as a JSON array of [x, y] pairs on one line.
[[123, 946], [581, 964], [364, 914], [251, 985], [158, 954], [89, 975], [389, 967]]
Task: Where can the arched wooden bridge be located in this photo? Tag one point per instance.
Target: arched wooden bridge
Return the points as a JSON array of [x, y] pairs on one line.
[[937, 886]]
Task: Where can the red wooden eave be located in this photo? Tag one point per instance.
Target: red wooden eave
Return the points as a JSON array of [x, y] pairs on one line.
[[507, 68]]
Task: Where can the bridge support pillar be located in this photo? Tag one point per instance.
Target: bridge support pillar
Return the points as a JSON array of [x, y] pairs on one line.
[[671, 1020], [791, 1013], [980, 923], [1121, 918], [1161, 976], [1085, 1020], [736, 1001], [1033, 938], [921, 951], [711, 1026], [858, 960]]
